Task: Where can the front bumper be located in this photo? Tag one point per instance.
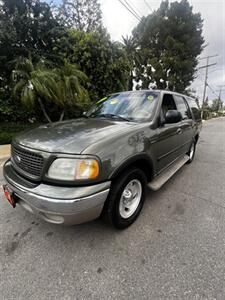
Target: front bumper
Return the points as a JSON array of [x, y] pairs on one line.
[[58, 205]]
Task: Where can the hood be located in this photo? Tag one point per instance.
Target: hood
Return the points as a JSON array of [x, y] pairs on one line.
[[71, 136]]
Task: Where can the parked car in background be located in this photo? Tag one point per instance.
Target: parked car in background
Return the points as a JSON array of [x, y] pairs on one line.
[[99, 165]]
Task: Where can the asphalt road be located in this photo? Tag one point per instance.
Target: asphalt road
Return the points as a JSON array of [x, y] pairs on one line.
[[175, 250]]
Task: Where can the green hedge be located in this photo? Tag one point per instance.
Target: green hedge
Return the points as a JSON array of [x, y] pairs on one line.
[[8, 130]]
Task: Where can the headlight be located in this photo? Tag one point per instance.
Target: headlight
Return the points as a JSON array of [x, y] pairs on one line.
[[73, 169]]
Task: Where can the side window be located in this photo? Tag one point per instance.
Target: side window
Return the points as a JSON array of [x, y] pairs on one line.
[[182, 107], [167, 104], [190, 116]]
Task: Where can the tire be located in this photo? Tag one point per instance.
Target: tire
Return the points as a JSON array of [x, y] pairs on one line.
[[191, 152], [126, 199]]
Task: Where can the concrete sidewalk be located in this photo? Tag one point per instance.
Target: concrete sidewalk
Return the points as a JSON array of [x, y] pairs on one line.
[[5, 151]]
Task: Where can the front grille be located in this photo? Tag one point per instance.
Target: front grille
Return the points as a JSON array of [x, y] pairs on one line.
[[30, 162]]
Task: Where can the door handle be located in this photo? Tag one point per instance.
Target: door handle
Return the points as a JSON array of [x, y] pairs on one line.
[[179, 131]]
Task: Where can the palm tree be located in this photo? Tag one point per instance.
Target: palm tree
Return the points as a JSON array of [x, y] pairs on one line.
[[33, 83], [70, 89], [62, 86]]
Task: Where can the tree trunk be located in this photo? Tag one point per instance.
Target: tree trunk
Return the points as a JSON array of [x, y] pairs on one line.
[[62, 115], [44, 111], [130, 83]]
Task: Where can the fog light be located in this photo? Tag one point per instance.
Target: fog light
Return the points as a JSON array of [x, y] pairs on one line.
[[55, 219]]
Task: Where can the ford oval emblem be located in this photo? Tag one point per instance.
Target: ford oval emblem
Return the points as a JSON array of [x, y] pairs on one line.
[[17, 158]]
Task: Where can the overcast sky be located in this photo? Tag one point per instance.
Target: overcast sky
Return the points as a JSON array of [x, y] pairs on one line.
[[120, 22]]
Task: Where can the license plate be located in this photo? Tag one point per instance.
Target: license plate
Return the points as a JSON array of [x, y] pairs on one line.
[[9, 196]]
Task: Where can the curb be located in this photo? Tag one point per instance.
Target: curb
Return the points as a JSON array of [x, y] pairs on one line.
[[2, 162], [5, 151]]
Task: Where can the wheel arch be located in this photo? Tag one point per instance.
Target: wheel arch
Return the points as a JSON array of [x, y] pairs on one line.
[[196, 137], [142, 161]]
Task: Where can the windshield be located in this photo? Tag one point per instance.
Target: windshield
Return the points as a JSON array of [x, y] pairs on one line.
[[130, 106]]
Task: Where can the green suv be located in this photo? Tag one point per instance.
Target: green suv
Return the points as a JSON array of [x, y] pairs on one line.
[[99, 165]]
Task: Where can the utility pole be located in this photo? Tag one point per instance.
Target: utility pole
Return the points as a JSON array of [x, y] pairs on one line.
[[220, 92], [206, 67]]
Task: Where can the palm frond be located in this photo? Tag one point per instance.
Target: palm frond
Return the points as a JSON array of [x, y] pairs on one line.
[[18, 87], [69, 83], [63, 85], [27, 96], [24, 64]]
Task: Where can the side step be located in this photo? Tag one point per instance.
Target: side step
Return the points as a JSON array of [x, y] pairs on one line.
[[162, 178]]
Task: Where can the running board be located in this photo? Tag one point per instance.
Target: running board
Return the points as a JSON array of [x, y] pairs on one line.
[[162, 178]]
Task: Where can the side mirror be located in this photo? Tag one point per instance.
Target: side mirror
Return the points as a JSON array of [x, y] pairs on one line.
[[173, 116]]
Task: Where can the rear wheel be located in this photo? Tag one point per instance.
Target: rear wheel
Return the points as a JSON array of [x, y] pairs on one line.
[[126, 199], [191, 152]]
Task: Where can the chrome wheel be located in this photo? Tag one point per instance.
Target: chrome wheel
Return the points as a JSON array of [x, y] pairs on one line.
[[192, 151], [130, 198]]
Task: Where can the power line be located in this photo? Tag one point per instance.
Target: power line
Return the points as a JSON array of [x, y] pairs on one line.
[[209, 86], [136, 16], [133, 7], [216, 70], [212, 90], [197, 86], [148, 5], [129, 4]]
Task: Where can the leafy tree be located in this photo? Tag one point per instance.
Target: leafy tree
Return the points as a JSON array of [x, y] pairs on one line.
[[103, 61], [80, 14], [205, 109], [216, 105], [170, 39], [27, 28], [46, 57]]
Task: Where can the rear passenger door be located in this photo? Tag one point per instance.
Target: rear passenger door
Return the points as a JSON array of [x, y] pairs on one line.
[[186, 125], [167, 137]]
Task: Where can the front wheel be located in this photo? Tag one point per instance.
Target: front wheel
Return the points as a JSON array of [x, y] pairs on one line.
[[126, 199]]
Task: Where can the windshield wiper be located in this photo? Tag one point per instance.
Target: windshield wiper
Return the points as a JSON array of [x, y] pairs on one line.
[[112, 116]]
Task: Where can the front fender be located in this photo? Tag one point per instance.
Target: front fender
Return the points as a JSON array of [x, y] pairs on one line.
[[140, 159]]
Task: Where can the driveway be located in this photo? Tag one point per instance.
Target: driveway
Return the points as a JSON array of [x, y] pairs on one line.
[[175, 250]]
